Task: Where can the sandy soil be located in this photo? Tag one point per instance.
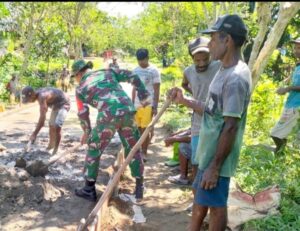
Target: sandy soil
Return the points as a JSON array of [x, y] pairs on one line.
[[164, 203], [36, 203]]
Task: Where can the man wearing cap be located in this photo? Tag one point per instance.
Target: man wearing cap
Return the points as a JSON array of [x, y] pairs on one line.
[[196, 80], [114, 64], [101, 89], [223, 122], [60, 104], [150, 76], [290, 114]]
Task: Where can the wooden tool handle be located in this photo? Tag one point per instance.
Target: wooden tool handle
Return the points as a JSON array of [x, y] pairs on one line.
[[115, 179], [55, 158]]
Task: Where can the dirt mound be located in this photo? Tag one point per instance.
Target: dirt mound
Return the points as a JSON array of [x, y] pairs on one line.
[[19, 190]]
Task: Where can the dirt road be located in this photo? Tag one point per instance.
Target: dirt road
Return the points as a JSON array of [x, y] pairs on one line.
[[36, 203], [165, 203]]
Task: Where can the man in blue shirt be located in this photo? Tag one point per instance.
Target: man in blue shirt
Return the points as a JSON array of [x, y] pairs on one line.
[[290, 113]]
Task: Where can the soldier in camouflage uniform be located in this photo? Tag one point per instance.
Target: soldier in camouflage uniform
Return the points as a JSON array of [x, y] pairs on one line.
[[101, 90]]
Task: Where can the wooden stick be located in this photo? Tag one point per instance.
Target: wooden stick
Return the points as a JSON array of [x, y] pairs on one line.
[[57, 157], [115, 179]]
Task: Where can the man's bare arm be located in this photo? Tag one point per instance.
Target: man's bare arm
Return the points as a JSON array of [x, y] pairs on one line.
[[43, 111], [284, 90], [293, 88], [133, 94], [226, 141], [189, 102], [185, 84], [156, 88]]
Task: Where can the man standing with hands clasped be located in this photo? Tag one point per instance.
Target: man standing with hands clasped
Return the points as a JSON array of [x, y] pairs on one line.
[[223, 123]]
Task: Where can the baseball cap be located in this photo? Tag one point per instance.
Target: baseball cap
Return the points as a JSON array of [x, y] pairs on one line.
[[297, 40], [198, 45], [142, 53], [27, 92], [229, 23], [77, 66]]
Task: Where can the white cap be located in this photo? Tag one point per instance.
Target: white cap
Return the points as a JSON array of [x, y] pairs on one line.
[[199, 45], [200, 49]]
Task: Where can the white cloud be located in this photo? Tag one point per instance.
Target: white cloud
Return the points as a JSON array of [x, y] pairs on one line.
[[129, 9]]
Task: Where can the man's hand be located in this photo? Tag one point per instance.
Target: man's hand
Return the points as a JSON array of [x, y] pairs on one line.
[[168, 141], [84, 138], [145, 102], [210, 178], [32, 138], [154, 111], [171, 94], [282, 90], [176, 95]]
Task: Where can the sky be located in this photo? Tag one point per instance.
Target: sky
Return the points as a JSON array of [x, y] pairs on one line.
[[129, 9]]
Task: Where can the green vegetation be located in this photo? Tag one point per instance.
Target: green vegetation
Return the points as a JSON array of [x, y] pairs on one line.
[[258, 167], [37, 38]]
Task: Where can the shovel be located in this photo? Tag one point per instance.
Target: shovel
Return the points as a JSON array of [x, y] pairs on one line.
[[84, 223], [39, 168]]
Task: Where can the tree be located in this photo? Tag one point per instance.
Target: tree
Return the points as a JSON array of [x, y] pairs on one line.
[[28, 16], [259, 58], [71, 12]]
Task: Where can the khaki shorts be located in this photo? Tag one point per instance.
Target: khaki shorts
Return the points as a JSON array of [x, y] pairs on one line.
[[57, 117], [65, 81], [286, 123], [143, 116]]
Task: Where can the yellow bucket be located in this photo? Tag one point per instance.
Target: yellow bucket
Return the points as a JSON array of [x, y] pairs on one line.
[[2, 108]]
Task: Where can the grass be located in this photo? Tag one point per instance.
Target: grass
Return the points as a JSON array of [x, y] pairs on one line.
[[258, 167]]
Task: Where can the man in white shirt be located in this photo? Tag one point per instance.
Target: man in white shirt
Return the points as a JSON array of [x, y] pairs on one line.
[[150, 76]]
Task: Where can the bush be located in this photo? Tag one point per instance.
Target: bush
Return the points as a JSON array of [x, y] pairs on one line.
[[265, 108], [258, 169], [170, 77]]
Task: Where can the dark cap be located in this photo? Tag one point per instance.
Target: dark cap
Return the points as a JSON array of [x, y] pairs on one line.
[[229, 23], [142, 53], [198, 45], [27, 92]]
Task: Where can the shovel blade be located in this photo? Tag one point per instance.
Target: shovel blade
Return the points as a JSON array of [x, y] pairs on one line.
[[20, 162]]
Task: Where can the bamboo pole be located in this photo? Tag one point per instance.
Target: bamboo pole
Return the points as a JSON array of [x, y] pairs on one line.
[[116, 178]]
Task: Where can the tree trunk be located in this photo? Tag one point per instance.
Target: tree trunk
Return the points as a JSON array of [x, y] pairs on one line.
[[286, 12], [28, 41], [47, 74], [264, 18]]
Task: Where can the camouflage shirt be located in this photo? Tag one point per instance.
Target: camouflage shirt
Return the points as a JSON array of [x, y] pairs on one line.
[[101, 90]]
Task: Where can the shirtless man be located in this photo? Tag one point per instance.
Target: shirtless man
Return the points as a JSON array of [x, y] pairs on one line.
[[60, 104]]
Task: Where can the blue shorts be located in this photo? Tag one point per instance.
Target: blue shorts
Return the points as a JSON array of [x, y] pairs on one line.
[[216, 197], [194, 143], [185, 149]]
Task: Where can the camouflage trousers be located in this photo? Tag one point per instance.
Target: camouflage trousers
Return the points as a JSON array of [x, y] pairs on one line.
[[100, 137]]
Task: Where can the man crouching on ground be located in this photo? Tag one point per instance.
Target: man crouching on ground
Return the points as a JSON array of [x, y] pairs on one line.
[[60, 104]]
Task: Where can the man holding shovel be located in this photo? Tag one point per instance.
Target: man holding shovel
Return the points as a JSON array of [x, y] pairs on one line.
[[101, 90], [60, 104]]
